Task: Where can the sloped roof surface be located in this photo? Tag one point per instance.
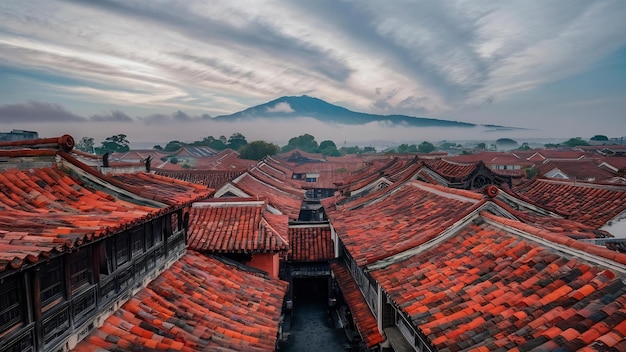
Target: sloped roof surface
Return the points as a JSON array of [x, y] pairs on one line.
[[189, 151], [233, 229], [210, 178], [618, 162], [46, 210], [162, 188], [486, 287], [363, 317], [198, 304], [588, 203], [289, 204], [577, 169], [449, 169], [310, 244], [403, 219]]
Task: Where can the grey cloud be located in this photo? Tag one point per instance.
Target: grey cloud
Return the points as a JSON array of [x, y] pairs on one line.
[[382, 103], [34, 111], [176, 117], [113, 116], [254, 36]]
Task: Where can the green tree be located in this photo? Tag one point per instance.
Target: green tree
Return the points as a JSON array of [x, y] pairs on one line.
[[236, 141], [574, 142], [174, 160], [425, 147], [210, 142], [369, 150], [351, 150], [258, 150], [173, 146], [305, 142], [114, 144], [481, 145], [599, 137], [329, 148], [326, 144], [217, 145], [86, 144], [158, 147]]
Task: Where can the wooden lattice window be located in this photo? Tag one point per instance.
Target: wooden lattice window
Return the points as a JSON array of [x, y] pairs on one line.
[[52, 283], [79, 269], [122, 248], [10, 304]]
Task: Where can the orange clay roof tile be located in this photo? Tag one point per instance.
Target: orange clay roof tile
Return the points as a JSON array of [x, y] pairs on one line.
[[310, 244], [363, 317], [591, 204], [236, 229], [415, 213], [47, 212], [200, 303], [507, 290]]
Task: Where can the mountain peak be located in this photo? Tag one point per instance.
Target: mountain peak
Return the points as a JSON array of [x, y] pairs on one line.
[[307, 106]]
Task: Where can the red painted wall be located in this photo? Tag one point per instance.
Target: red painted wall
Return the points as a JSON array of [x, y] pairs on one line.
[[267, 262]]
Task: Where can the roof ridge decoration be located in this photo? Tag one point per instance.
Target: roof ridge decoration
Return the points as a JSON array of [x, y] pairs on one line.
[[65, 143]]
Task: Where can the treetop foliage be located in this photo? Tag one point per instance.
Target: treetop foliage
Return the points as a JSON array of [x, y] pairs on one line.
[[258, 150]]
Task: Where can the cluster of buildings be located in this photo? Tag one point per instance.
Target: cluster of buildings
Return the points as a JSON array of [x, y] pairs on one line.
[[411, 252]]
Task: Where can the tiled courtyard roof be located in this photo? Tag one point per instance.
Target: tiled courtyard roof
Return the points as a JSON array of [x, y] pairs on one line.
[[198, 304], [588, 203], [162, 188], [363, 317], [489, 288], [220, 228], [289, 204], [46, 210], [449, 169], [411, 215], [209, 178], [584, 169], [310, 244]]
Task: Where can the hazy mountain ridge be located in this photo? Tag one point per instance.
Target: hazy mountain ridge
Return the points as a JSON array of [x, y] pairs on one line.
[[306, 106]]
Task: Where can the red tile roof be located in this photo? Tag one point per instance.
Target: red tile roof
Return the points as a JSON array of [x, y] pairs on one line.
[[384, 168], [210, 178], [288, 203], [225, 160], [46, 211], [412, 214], [614, 163], [163, 189], [363, 317], [588, 203], [198, 304], [310, 244], [286, 185], [220, 227], [585, 170], [450, 169], [487, 288]]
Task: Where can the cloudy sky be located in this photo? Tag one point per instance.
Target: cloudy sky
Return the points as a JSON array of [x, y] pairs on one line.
[[153, 69]]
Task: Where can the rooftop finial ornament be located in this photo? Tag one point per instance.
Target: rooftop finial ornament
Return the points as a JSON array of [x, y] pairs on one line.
[[492, 191]]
